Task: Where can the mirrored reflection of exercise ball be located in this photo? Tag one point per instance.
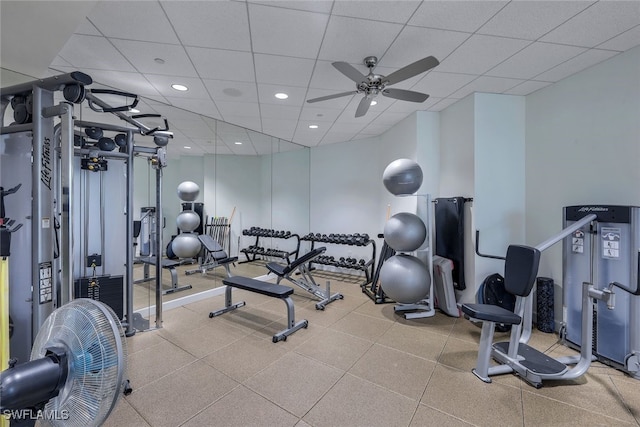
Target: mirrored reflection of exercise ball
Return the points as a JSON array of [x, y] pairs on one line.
[[186, 245], [402, 177], [405, 232], [405, 279], [187, 221], [188, 191]]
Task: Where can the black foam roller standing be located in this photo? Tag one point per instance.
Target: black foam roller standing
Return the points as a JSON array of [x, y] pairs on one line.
[[544, 296]]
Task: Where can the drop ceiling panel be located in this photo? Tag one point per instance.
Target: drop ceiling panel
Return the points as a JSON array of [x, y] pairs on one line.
[[314, 113], [87, 28], [597, 24], [535, 59], [351, 40], [267, 94], [199, 106], [486, 84], [624, 41], [273, 111], [381, 10], [527, 87], [336, 137], [280, 128], [326, 76], [96, 53], [133, 20], [249, 122], [465, 16], [245, 109], [163, 86], [444, 103], [480, 53], [441, 85], [531, 19], [285, 31], [321, 6], [229, 91], [578, 63], [145, 57], [220, 64], [415, 43], [216, 24], [274, 69]]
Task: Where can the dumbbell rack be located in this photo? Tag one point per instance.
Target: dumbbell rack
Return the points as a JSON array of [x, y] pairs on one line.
[[257, 251], [348, 263]]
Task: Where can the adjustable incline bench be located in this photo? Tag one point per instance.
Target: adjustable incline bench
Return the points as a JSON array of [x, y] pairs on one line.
[[215, 257], [264, 288], [306, 282]]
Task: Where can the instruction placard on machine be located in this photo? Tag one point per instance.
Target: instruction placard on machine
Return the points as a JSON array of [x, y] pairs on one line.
[[577, 242], [610, 238], [46, 283]]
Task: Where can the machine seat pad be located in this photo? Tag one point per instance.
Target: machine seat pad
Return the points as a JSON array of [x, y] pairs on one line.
[[165, 262], [253, 285], [491, 313], [282, 270]]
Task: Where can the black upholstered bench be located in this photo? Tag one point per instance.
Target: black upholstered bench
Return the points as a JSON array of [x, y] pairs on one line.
[[167, 264], [264, 288]]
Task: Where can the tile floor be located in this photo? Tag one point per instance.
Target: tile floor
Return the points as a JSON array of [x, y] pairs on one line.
[[357, 364]]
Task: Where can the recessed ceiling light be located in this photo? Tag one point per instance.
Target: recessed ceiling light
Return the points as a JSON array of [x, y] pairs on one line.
[[374, 102], [313, 126], [179, 87], [281, 95], [238, 143], [134, 110], [187, 147]]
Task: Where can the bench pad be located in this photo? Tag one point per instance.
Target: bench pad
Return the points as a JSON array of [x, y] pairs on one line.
[[253, 285]]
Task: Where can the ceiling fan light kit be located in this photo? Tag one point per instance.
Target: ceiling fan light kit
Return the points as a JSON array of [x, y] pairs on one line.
[[373, 85]]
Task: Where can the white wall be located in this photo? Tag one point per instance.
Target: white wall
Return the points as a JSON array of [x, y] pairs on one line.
[[582, 147], [499, 177]]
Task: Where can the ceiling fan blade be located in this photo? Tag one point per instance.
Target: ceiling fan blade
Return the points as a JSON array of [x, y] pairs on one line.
[[337, 95], [424, 64], [350, 71], [405, 95], [363, 107]]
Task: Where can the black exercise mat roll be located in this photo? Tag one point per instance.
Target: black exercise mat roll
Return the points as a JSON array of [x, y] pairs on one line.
[[449, 213]]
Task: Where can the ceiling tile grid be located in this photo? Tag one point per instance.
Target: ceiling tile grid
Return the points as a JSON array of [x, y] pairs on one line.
[[235, 55]]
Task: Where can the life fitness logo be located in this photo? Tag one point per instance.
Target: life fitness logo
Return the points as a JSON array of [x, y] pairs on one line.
[[593, 209]]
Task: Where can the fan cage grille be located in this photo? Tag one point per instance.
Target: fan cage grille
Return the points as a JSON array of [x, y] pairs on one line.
[[96, 347]]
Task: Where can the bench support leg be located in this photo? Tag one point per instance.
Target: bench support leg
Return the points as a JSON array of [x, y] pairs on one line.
[[484, 352], [174, 283], [292, 326], [228, 304]]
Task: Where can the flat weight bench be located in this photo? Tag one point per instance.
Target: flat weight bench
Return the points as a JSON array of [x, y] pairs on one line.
[[214, 258], [168, 264], [306, 282], [264, 288]]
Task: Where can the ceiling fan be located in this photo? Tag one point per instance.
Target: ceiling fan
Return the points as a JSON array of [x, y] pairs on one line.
[[372, 84]]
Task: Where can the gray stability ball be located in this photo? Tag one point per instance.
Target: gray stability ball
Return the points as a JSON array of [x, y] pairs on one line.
[[188, 191], [405, 232], [187, 221], [402, 177], [186, 245], [405, 279]]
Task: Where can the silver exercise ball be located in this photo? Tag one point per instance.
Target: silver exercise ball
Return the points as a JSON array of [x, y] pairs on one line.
[[402, 177], [187, 221], [186, 245], [188, 191], [405, 232], [405, 279]]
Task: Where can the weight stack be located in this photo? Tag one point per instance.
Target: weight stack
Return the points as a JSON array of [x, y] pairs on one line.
[[545, 304]]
